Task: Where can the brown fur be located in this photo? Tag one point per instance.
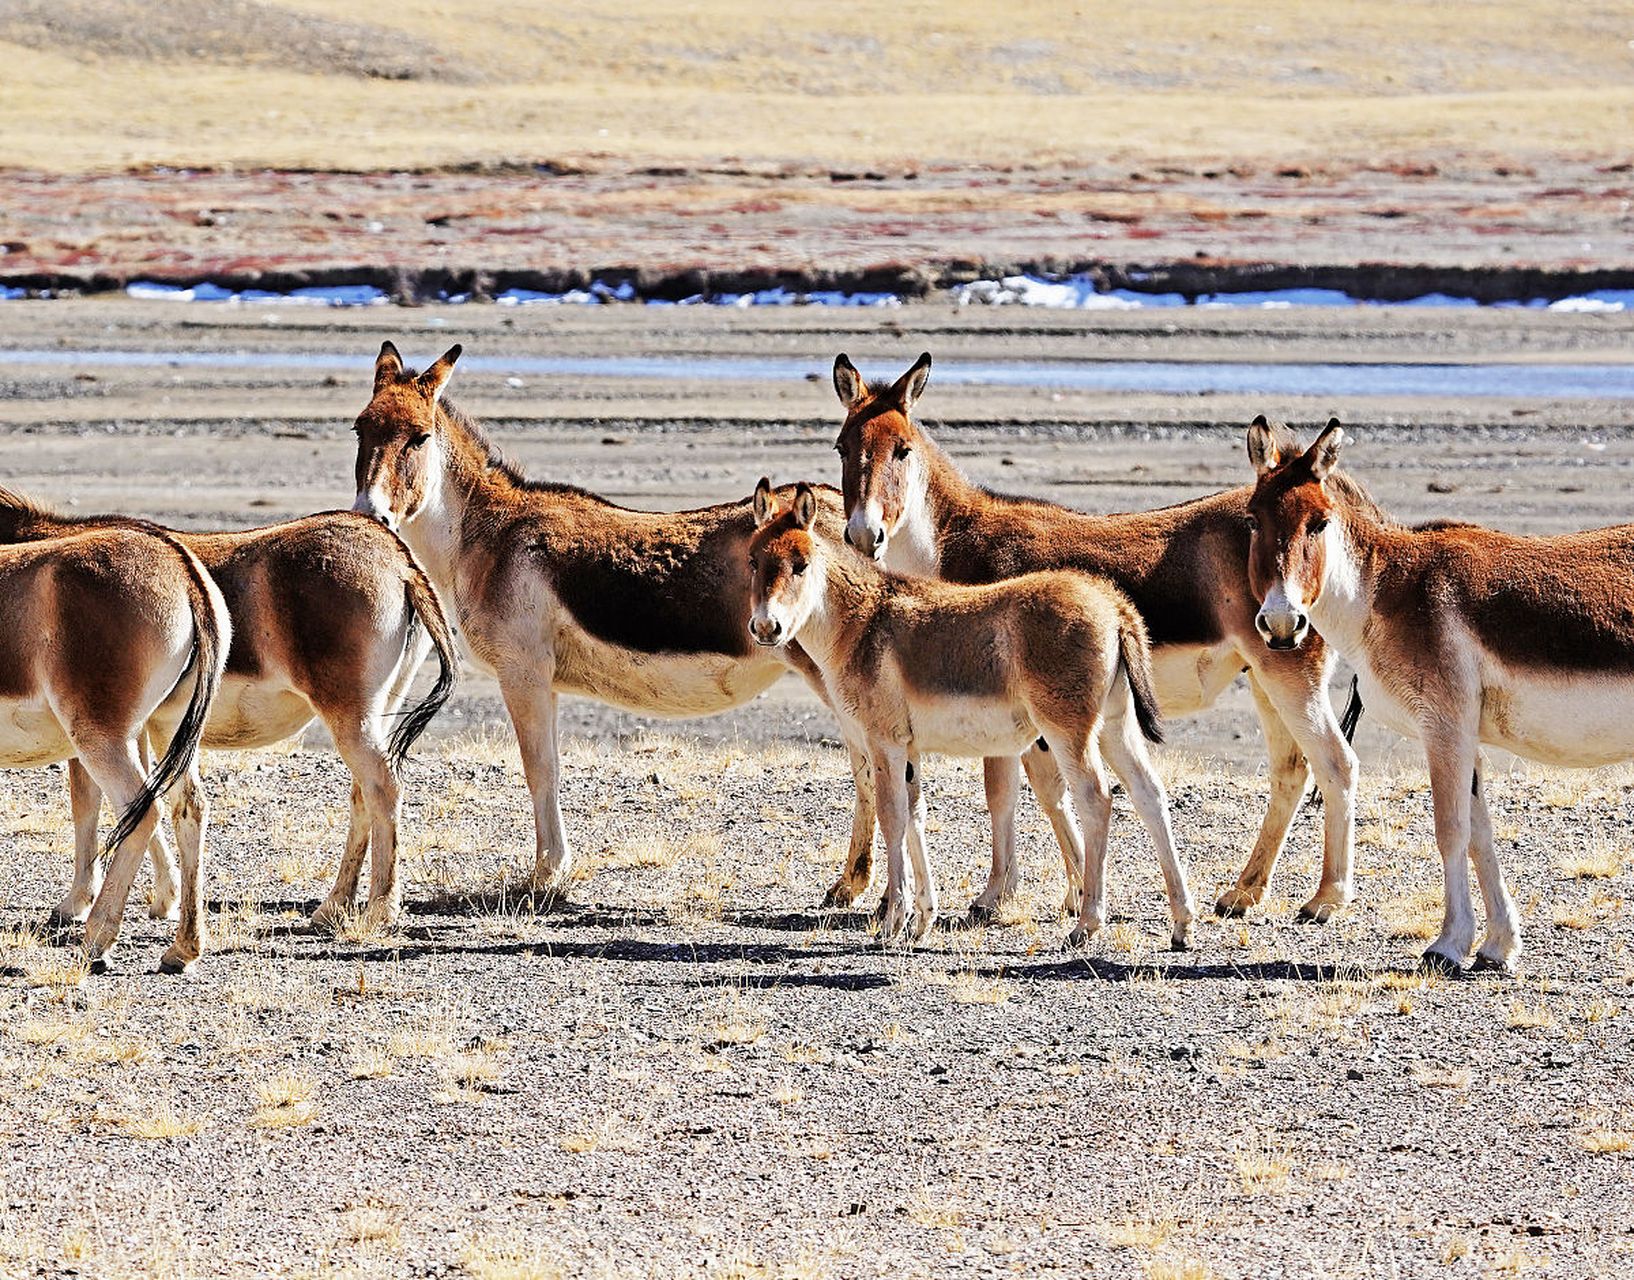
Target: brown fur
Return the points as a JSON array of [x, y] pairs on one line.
[[319, 607], [1184, 567], [973, 670]]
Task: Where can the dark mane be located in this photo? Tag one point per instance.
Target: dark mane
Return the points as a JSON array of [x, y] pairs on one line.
[[501, 466], [13, 501]]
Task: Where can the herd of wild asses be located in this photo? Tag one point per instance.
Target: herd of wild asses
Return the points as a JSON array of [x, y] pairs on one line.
[[930, 615]]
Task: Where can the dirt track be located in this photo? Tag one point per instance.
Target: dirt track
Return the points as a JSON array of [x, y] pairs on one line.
[[692, 1071]]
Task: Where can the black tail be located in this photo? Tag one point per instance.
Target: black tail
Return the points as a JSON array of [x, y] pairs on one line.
[[1136, 652], [1351, 717], [205, 664], [424, 609]]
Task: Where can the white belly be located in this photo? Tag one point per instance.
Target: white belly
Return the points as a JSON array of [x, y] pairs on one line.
[[1190, 678], [1578, 722], [662, 684], [953, 726], [255, 713], [1383, 707], [30, 735]]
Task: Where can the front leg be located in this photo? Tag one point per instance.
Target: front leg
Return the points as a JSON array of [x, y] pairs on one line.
[[891, 795], [1051, 791], [924, 883], [1001, 777], [1500, 950], [1452, 759], [1285, 763], [531, 701], [859, 861]]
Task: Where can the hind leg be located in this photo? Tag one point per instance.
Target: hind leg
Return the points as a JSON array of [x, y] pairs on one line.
[[85, 802], [344, 894], [115, 769], [1051, 791], [1126, 752], [362, 747], [189, 813], [1079, 758], [1500, 950], [924, 883], [1001, 778], [891, 795]]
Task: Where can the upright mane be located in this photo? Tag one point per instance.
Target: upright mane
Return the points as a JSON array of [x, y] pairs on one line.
[[12, 501], [1341, 481], [498, 465]]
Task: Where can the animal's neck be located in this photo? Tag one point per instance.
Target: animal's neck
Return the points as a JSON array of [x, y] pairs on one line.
[[1341, 611], [938, 501], [20, 521], [842, 595], [455, 484]]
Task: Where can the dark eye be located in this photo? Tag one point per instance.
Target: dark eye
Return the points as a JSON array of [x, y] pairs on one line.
[[799, 567], [751, 567], [1316, 525], [901, 452], [416, 441], [840, 449]]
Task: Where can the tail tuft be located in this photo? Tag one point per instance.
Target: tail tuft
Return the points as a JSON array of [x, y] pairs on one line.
[[424, 609]]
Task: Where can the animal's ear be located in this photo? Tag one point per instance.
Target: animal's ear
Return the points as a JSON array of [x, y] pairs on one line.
[[1262, 446], [848, 384], [805, 506], [1323, 455], [434, 379], [765, 503], [388, 365], [911, 385]]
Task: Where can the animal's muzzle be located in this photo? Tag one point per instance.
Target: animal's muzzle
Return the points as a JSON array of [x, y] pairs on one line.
[[1282, 628], [766, 630]]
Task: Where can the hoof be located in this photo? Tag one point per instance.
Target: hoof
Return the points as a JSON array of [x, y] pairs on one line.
[[978, 915], [1233, 904], [840, 894], [548, 897], [172, 912], [877, 915], [1180, 940], [174, 961], [58, 930], [100, 966], [923, 922], [1436, 962], [1314, 912], [329, 913], [1504, 966], [1078, 939]]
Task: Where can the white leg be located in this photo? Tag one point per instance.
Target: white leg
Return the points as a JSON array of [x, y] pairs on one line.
[[1285, 763], [85, 802], [859, 861], [344, 894], [363, 749], [891, 797], [1126, 751], [1001, 778], [1308, 715], [1092, 797], [166, 888], [533, 715], [924, 883], [1452, 766], [117, 772], [189, 813], [1051, 791], [1501, 948]]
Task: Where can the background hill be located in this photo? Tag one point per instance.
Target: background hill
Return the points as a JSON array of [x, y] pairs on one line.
[[342, 84]]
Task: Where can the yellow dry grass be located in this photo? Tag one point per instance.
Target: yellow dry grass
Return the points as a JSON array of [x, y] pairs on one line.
[[857, 82]]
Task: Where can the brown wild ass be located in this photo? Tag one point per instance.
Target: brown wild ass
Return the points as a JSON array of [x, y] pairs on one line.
[[919, 665], [556, 590], [1185, 568], [331, 618], [112, 635], [1460, 635]]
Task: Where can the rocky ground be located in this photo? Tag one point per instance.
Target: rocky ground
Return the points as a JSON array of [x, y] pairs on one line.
[[693, 1070]]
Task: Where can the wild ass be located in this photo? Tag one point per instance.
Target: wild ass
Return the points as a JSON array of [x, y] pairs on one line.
[[1185, 569], [331, 618], [111, 635], [1460, 635], [918, 665], [556, 590]]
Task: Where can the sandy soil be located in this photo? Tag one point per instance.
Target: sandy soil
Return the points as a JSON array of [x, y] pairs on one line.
[[691, 1070]]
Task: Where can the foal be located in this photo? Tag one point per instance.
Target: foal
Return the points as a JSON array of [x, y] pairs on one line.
[[110, 635], [1459, 635], [918, 665], [331, 619], [1185, 569], [557, 590]]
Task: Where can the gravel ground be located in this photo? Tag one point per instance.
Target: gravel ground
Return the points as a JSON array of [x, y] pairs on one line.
[[690, 1070]]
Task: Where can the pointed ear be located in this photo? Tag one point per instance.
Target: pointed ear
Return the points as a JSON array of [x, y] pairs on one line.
[[388, 365], [765, 503], [805, 506], [1324, 454], [1262, 446], [434, 379], [911, 385], [848, 383]]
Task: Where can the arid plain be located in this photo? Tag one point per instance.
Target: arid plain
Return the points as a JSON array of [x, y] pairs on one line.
[[691, 1069]]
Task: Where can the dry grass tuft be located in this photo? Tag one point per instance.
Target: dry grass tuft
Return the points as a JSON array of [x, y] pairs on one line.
[[159, 1124], [1442, 1077], [971, 988], [53, 973], [1263, 1170], [488, 1261], [1601, 860], [1603, 1142], [287, 1102]]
